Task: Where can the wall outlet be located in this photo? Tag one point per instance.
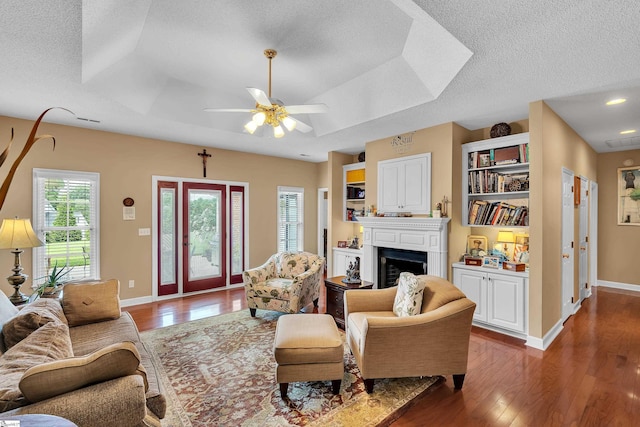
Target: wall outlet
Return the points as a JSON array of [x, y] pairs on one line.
[[144, 231], [131, 283]]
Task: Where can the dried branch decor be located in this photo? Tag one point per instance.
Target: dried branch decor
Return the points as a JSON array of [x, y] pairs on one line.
[[30, 141]]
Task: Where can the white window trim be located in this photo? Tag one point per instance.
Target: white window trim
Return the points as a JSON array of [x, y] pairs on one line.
[[38, 252], [299, 190]]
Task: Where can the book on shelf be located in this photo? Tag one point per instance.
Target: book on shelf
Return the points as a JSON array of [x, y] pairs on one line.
[[482, 212]]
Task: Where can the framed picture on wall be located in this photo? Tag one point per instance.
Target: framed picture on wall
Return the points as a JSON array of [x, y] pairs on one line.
[[629, 196]]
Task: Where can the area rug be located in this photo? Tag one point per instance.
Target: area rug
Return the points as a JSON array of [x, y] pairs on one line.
[[221, 371]]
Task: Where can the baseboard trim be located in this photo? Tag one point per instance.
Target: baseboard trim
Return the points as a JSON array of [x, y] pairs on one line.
[[135, 301], [150, 298], [544, 343], [618, 285]]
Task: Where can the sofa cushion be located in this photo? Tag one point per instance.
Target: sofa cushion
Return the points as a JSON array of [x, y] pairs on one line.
[[30, 318], [48, 343], [7, 311], [93, 336], [408, 300], [62, 376], [291, 264], [91, 302]]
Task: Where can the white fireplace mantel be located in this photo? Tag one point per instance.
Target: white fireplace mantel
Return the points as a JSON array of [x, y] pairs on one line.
[[428, 235]]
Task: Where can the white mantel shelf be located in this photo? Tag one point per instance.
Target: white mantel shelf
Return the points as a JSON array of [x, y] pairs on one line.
[[421, 234], [420, 223]]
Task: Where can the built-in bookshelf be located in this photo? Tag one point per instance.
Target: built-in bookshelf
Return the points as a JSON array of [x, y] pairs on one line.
[[354, 190], [495, 182]]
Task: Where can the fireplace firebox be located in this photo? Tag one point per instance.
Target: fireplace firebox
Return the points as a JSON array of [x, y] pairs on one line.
[[392, 262]]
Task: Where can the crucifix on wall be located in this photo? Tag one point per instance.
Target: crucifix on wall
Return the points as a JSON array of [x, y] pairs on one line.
[[204, 156]]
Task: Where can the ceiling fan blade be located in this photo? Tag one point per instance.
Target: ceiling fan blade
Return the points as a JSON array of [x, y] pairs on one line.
[[306, 109], [228, 110], [301, 126], [260, 97]]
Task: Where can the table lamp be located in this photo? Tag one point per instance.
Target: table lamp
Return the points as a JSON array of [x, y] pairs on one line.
[[14, 234], [506, 237]]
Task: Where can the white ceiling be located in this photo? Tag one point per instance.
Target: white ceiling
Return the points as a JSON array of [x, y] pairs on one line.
[[384, 67]]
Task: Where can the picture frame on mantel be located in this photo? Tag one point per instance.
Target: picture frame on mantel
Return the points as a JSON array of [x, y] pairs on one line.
[[629, 196]]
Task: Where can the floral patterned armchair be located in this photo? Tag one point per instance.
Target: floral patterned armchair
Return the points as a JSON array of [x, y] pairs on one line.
[[287, 282]]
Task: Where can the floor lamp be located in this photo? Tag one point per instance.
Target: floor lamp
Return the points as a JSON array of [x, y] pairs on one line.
[[15, 234]]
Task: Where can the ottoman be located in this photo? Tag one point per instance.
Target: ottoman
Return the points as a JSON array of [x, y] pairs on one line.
[[308, 347]]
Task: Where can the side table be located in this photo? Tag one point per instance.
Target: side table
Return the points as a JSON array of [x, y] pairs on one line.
[[335, 296]]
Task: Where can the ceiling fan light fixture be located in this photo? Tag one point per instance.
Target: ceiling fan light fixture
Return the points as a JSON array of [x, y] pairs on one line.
[[259, 118], [289, 123], [278, 132], [251, 127]]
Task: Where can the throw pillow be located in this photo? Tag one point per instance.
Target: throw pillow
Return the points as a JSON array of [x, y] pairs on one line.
[[62, 376], [30, 318], [408, 299], [91, 302], [48, 343]]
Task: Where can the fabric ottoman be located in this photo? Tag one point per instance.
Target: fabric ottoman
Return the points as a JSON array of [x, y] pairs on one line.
[[308, 347]]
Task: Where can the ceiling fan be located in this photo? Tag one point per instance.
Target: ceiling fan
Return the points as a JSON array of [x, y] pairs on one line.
[[272, 111]]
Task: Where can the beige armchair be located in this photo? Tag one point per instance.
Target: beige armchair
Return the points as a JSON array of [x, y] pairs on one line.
[[434, 342], [287, 282]]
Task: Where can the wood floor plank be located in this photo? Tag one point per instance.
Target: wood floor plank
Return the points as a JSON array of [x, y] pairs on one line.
[[589, 376]]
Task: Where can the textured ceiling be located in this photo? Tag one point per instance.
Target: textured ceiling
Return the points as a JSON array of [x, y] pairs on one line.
[[383, 67]]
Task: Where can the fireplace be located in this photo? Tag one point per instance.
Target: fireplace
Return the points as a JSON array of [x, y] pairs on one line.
[[392, 262], [427, 236]]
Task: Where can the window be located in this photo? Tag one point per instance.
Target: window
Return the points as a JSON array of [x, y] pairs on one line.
[[290, 219], [66, 218]]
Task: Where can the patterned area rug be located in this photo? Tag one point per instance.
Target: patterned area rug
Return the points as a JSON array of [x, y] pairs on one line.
[[221, 371]]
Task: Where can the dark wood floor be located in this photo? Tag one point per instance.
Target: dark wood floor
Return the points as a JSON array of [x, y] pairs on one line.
[[589, 376]]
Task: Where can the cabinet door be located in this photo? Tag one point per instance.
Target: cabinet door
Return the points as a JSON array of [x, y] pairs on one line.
[[404, 185], [506, 302], [339, 267], [474, 286], [388, 183]]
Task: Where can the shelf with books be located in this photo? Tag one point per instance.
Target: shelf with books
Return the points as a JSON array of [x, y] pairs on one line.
[[495, 182]]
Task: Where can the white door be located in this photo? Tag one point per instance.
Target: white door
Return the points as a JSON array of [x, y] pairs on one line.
[[593, 236], [506, 301], [567, 243], [323, 225], [583, 227]]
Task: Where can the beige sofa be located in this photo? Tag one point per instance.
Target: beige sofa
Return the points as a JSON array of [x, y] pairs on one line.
[[286, 282], [108, 379], [434, 342]]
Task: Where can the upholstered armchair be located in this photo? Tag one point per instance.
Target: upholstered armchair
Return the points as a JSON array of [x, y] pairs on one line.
[[434, 341], [287, 282]]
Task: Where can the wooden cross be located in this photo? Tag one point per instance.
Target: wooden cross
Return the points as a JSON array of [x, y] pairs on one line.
[[204, 156]]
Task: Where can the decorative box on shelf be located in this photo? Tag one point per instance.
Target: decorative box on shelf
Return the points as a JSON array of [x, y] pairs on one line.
[[469, 260], [513, 266]]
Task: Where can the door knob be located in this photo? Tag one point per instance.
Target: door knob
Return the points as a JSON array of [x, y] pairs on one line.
[[583, 248], [565, 255]]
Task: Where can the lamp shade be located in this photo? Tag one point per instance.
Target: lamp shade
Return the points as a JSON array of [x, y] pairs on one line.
[[506, 237], [18, 233]]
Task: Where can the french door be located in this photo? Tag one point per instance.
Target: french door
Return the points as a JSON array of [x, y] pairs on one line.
[[203, 236], [200, 236]]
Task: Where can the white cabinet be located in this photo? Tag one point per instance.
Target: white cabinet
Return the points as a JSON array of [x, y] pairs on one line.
[[353, 180], [495, 182], [341, 259], [500, 297], [404, 184]]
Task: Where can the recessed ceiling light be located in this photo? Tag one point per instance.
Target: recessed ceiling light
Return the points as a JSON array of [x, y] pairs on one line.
[[616, 101], [627, 132]]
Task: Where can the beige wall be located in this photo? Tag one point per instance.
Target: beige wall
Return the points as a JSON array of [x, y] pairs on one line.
[[618, 245], [126, 165], [553, 145]]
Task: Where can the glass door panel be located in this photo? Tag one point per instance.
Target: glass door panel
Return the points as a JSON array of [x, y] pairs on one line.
[[167, 238], [237, 233]]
